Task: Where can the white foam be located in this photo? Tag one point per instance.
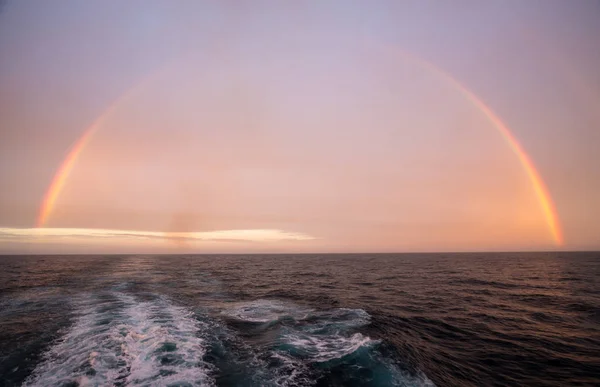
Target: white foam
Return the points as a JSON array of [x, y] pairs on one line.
[[327, 347], [262, 311], [290, 372], [321, 349], [130, 342]]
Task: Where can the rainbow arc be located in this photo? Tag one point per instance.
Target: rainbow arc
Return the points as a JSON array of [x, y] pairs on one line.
[[543, 196]]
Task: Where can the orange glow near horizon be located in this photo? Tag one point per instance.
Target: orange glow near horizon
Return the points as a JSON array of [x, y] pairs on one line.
[[541, 192]]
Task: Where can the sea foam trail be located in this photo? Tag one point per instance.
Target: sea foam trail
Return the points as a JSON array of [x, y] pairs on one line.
[[310, 344], [117, 340]]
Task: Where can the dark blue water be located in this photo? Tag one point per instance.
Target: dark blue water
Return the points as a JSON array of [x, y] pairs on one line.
[[285, 320]]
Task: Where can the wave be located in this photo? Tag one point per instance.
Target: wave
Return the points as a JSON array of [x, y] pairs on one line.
[[116, 340]]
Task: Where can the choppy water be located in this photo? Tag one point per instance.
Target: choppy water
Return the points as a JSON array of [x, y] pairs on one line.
[[323, 320]]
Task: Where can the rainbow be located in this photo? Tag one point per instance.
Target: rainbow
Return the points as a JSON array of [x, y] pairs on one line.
[[539, 187], [62, 174], [541, 192]]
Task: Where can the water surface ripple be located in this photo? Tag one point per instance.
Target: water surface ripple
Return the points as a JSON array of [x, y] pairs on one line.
[[296, 320]]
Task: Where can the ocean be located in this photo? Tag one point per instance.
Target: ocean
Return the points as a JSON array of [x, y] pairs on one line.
[[477, 319]]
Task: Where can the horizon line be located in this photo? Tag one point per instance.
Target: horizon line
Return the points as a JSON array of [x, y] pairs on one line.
[[316, 253]]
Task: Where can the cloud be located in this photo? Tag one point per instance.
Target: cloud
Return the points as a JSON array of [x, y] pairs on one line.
[[100, 235]]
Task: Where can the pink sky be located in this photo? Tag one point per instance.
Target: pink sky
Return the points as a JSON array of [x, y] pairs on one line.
[[298, 124]]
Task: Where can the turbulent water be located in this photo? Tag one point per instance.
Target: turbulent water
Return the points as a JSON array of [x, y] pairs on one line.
[[285, 320]]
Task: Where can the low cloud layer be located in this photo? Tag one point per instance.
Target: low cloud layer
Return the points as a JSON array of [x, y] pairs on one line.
[[33, 235]]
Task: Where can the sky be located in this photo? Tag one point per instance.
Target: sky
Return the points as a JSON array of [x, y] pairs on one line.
[[318, 126]]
